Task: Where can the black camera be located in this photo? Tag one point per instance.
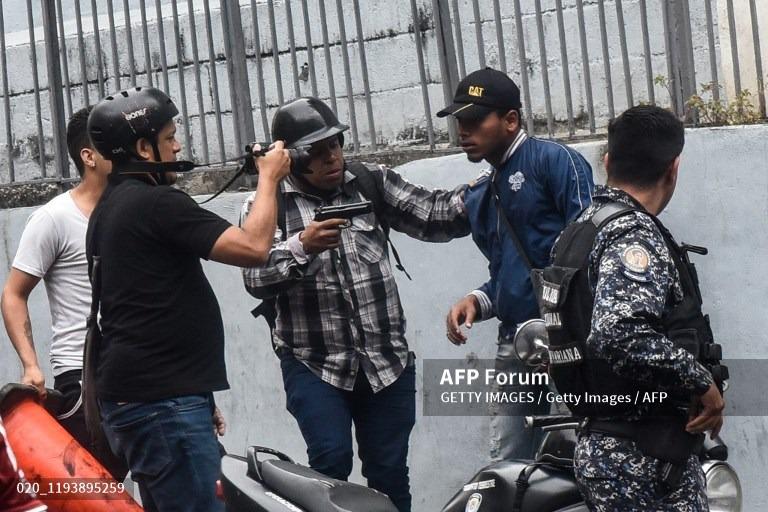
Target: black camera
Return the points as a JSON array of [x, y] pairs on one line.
[[300, 158]]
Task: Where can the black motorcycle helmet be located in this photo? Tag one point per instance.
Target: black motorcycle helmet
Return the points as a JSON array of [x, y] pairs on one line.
[[304, 121], [118, 121]]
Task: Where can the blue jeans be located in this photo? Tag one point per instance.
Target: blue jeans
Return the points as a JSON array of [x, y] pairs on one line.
[[510, 439], [383, 423], [171, 450]]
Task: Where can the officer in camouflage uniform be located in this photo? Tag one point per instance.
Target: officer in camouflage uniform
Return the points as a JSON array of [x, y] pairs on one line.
[[635, 283]]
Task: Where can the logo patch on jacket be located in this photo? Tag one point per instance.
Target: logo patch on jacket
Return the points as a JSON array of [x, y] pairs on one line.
[[516, 181]]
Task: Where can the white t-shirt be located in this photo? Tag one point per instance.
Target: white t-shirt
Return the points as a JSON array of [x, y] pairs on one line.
[[52, 247]]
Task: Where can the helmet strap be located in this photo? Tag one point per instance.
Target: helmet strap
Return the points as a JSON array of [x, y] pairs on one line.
[[159, 177]]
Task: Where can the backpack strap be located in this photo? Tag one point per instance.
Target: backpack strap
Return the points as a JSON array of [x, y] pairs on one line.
[[610, 212]]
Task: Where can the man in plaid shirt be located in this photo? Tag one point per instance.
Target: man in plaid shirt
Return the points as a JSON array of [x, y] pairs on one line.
[[340, 329]]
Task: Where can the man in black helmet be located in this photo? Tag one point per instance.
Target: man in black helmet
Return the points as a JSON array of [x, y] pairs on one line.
[[161, 355], [340, 329]]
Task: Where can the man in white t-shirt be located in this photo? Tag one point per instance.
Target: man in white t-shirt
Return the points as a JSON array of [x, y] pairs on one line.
[[52, 248]]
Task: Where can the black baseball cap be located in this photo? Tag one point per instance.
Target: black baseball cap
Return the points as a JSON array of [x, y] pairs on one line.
[[482, 92]]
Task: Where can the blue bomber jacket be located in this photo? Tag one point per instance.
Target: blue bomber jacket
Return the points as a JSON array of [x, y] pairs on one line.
[[543, 186]]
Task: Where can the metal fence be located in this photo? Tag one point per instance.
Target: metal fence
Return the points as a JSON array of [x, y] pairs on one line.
[[229, 63]]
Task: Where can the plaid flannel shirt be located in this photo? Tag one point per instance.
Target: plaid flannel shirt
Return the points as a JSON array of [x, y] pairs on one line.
[[339, 310]]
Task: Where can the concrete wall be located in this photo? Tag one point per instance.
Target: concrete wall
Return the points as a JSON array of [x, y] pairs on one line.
[[391, 56], [722, 203]]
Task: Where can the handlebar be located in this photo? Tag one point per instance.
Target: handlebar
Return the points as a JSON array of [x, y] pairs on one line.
[[552, 422]]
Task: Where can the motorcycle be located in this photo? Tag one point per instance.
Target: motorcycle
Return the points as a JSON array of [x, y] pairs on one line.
[[545, 484]]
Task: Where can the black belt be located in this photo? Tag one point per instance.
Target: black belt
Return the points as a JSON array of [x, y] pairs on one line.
[[621, 428]]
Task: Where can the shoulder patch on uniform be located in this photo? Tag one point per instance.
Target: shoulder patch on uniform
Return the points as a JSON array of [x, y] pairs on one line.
[[636, 259]]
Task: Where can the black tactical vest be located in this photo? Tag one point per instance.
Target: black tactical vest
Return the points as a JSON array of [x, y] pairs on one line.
[[566, 302]]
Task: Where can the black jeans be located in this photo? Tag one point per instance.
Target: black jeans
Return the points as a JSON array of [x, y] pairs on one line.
[[72, 417]]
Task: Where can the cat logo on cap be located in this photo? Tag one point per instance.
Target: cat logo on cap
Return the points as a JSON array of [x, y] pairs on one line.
[[475, 90], [473, 504]]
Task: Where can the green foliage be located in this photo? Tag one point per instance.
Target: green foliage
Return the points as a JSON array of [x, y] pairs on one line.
[[709, 109], [715, 112]]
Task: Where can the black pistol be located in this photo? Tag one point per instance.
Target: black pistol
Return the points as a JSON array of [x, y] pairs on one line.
[[344, 211]]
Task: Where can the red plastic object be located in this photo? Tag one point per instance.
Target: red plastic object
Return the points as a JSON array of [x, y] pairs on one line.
[[66, 476]]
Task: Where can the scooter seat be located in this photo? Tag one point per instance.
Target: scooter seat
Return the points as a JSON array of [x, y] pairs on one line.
[[315, 492]]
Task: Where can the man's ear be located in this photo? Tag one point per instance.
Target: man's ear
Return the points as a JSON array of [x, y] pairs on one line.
[[607, 163], [512, 119], [673, 171], [88, 156], [144, 149]]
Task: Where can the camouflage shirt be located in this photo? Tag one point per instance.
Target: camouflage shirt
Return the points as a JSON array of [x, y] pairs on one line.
[[635, 284]]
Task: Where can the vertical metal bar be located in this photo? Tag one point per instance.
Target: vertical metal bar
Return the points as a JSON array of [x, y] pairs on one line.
[[239, 90], [734, 47], [624, 53], [327, 54], [260, 72], [145, 35], [161, 40], [499, 36], [97, 47], [310, 48], [55, 90], [459, 39], [647, 52], [198, 82], [63, 57], [565, 65], [606, 59], [6, 100], [129, 38], [81, 51], [275, 52], [679, 49], [585, 64], [523, 67], [479, 33], [544, 69], [182, 85], [36, 83], [364, 67], [712, 51], [671, 52], [215, 78], [422, 74], [758, 57], [292, 46], [347, 76], [113, 39], [447, 58], [689, 78]]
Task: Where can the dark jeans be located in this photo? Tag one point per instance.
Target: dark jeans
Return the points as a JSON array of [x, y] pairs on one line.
[[383, 423], [171, 449], [72, 417]]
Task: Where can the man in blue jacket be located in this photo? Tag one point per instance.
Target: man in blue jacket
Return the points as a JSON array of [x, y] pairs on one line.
[[517, 208]]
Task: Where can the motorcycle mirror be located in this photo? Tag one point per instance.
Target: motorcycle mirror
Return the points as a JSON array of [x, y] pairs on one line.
[[531, 343]]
